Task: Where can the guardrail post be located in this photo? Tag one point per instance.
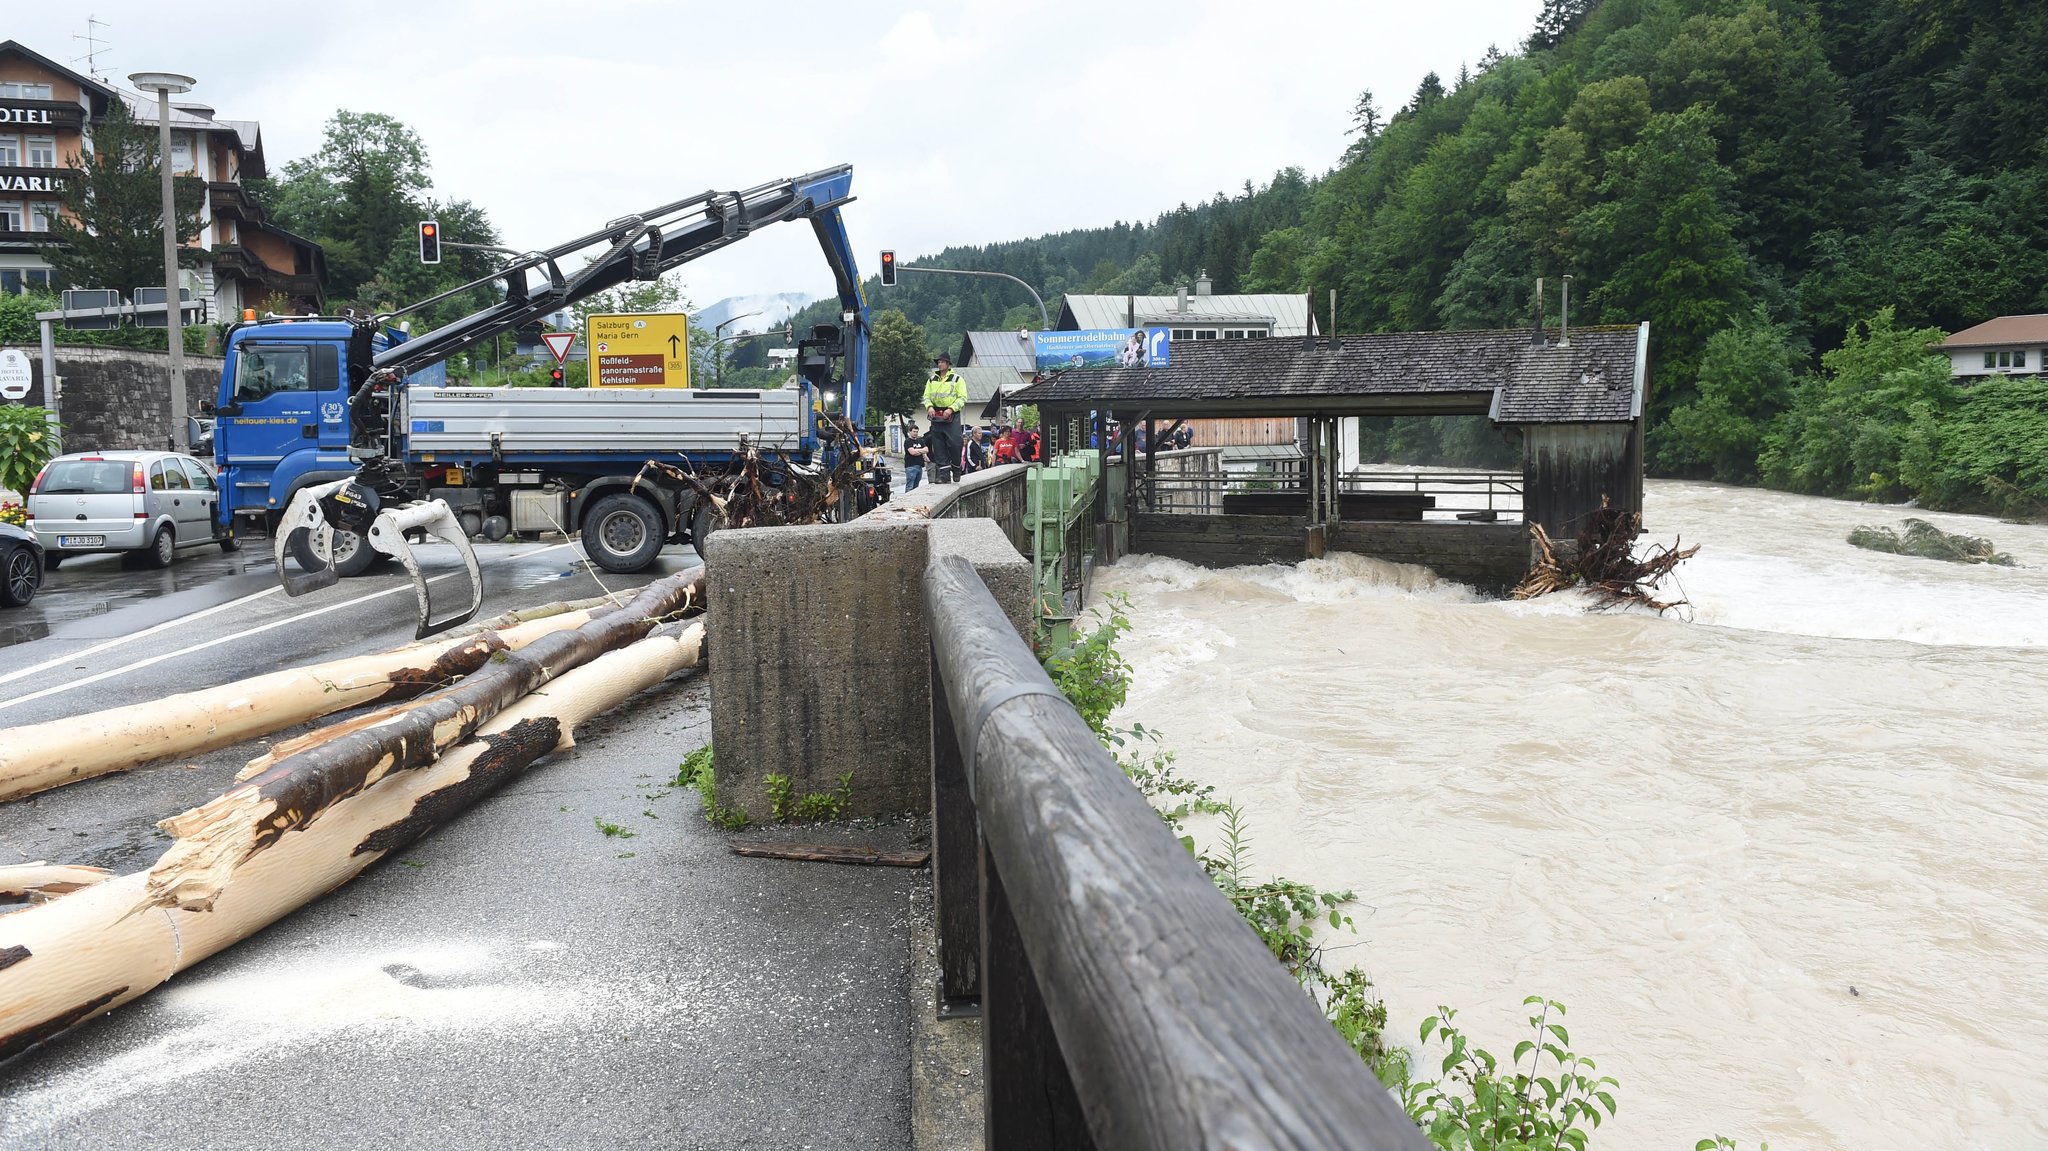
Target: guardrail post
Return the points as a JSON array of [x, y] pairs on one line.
[[956, 844], [1028, 1099]]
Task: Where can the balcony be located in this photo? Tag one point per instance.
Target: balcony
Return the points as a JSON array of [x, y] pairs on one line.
[[233, 201]]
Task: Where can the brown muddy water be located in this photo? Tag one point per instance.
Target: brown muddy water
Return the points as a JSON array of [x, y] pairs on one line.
[[1782, 854]]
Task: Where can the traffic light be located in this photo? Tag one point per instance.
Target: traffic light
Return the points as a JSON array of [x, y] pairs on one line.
[[555, 378], [888, 268], [430, 242]]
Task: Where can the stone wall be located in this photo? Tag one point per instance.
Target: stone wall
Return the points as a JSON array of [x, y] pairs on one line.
[[115, 399]]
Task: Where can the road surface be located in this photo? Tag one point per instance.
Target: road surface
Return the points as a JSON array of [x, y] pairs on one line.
[[517, 979]]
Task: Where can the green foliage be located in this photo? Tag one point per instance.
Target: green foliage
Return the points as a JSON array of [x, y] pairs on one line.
[[1846, 432], [696, 771], [1477, 1105], [1089, 670], [1746, 378], [899, 362], [114, 235], [611, 830], [786, 807], [26, 444]]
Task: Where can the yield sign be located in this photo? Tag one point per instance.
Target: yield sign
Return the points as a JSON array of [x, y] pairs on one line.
[[558, 343]]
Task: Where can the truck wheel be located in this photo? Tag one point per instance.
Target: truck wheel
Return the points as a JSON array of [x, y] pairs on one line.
[[705, 520], [622, 533], [163, 548], [351, 556]]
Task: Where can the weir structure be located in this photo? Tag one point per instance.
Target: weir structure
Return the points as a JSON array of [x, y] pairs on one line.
[[1575, 404]]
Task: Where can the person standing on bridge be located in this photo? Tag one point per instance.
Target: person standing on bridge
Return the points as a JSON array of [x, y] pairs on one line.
[[944, 395]]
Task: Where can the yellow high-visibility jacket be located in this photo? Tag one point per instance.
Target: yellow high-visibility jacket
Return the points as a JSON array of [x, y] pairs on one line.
[[948, 391]]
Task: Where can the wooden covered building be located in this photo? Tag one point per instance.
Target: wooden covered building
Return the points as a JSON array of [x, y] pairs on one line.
[[1576, 403]]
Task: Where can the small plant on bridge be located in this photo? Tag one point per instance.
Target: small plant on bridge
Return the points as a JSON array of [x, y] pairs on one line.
[[1090, 672], [696, 772], [816, 807]]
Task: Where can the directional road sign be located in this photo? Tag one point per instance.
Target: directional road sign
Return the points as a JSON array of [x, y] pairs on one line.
[[558, 343], [647, 350]]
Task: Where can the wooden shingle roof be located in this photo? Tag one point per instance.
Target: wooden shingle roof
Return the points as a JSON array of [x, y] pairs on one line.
[[1597, 378]]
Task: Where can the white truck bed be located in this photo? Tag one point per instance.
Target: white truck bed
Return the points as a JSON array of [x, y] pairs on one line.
[[585, 421]]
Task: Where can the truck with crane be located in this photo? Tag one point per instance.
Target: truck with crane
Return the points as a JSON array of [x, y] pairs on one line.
[[340, 438]]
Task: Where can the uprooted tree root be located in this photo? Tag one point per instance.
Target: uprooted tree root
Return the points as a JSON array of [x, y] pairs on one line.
[[768, 489], [1604, 562]]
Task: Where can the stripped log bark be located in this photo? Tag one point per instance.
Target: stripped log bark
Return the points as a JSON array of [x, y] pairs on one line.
[[40, 879], [72, 958], [217, 836], [38, 757]]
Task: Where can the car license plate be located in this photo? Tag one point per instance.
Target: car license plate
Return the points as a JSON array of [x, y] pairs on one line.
[[81, 541]]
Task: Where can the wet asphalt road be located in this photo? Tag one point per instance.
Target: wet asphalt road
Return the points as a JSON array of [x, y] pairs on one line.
[[518, 978]]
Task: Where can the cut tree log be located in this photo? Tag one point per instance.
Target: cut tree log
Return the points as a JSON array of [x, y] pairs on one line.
[[216, 837], [70, 959], [38, 757], [26, 880]]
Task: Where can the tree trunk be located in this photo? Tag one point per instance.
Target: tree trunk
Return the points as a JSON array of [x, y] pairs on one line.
[[295, 791], [101, 946], [39, 879], [46, 755]]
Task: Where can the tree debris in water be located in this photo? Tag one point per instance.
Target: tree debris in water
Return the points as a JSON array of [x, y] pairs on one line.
[[1603, 562], [1925, 540]]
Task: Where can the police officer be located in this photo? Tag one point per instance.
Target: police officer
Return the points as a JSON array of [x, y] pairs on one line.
[[944, 395]]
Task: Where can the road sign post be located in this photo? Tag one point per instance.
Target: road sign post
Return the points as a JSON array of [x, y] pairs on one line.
[[558, 343], [648, 350]]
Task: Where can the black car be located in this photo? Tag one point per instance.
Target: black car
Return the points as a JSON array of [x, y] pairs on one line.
[[21, 565]]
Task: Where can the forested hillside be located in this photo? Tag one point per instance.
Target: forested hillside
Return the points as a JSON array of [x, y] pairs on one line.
[[1764, 181]]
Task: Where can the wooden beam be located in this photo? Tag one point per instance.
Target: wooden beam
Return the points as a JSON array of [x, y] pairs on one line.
[[1178, 1027]]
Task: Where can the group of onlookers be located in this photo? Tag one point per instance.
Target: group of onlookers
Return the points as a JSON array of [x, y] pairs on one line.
[[984, 447]]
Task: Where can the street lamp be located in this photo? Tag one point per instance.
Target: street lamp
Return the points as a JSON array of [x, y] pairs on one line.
[[717, 356], [163, 84]]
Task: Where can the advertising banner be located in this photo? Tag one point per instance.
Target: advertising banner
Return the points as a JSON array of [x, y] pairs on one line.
[[1100, 348]]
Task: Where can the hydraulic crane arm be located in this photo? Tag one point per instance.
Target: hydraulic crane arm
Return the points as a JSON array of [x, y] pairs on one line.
[[641, 247]]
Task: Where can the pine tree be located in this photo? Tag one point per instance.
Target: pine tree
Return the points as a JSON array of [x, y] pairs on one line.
[[113, 236]]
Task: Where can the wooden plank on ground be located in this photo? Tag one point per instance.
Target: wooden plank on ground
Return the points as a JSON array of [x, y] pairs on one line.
[[832, 853]]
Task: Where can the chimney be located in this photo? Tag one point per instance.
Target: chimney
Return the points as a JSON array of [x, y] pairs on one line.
[[1536, 333], [1564, 315], [1182, 306], [1202, 284]]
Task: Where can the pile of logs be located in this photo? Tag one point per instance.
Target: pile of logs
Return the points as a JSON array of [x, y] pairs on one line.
[[1603, 562], [315, 811]]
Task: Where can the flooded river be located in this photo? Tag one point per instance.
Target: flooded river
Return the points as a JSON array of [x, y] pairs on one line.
[[1786, 860]]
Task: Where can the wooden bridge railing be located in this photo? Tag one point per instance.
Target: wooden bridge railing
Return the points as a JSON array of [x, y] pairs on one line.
[[1124, 1003]]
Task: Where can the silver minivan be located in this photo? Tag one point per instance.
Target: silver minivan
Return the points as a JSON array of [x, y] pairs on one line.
[[150, 503]]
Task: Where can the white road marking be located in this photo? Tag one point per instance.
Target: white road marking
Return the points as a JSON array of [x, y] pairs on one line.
[[218, 640], [117, 641]]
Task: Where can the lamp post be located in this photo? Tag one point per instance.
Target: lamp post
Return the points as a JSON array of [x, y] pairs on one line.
[[718, 355], [163, 84]]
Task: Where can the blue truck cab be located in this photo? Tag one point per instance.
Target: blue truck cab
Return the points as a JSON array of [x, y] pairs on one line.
[[281, 413]]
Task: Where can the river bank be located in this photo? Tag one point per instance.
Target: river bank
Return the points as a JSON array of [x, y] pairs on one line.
[[1699, 834]]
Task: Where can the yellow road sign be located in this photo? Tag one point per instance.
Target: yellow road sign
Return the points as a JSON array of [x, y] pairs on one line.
[[646, 350]]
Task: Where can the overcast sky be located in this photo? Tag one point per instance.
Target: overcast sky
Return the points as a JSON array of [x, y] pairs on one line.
[[966, 123]]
